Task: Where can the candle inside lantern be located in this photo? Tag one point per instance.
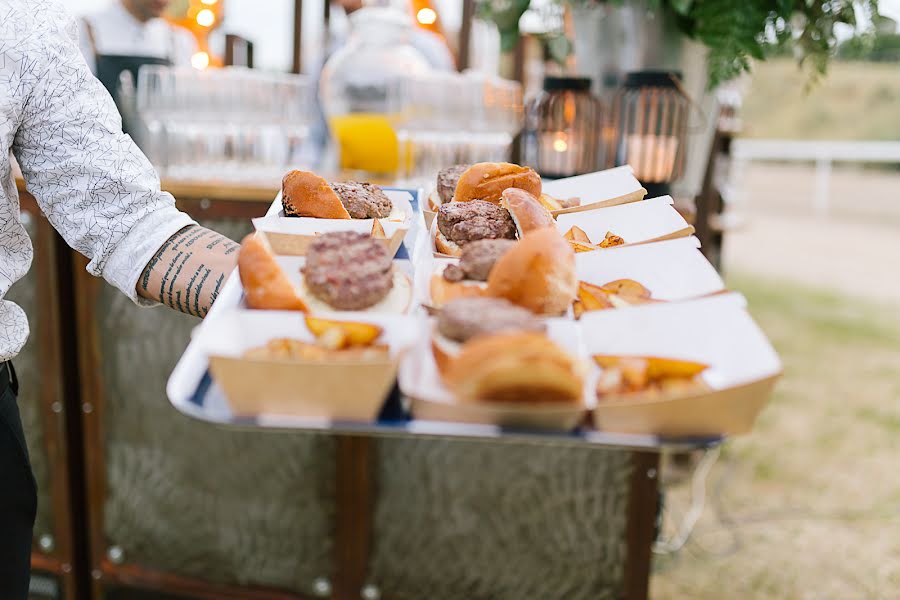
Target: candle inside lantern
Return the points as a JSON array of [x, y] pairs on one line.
[[652, 156], [559, 153]]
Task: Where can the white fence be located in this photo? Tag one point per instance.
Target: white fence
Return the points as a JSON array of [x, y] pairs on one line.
[[822, 153]]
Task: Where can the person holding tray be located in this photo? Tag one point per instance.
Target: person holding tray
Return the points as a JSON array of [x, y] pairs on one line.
[[103, 196]]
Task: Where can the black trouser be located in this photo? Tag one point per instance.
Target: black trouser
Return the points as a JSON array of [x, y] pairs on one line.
[[18, 494]]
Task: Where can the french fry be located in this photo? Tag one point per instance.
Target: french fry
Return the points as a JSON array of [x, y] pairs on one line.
[[378, 230], [611, 240], [349, 333], [577, 234]]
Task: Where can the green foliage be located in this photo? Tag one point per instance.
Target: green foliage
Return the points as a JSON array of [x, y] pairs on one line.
[[875, 48], [736, 32]]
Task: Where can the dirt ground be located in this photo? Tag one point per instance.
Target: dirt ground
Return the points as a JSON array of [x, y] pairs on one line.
[[808, 505]]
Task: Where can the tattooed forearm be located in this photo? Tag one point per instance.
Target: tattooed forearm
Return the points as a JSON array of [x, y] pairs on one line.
[[189, 270]]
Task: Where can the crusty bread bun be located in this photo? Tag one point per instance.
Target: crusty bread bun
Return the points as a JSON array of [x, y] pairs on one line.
[[537, 273], [514, 367], [443, 291], [526, 211], [266, 286], [305, 194], [486, 181], [445, 246]]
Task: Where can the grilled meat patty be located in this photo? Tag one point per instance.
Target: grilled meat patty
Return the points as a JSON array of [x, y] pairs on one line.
[[363, 200], [349, 271], [478, 257], [463, 222], [465, 318], [447, 180]]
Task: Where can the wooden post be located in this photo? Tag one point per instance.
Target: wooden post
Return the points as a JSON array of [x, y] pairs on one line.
[[640, 531], [465, 34], [297, 66]]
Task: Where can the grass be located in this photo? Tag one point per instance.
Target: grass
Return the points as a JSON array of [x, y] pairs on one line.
[[808, 505], [856, 101]]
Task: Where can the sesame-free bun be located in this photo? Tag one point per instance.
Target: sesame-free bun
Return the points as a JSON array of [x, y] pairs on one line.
[[537, 273], [445, 246], [265, 285], [434, 202], [486, 181], [515, 368], [443, 291], [526, 211], [305, 194]]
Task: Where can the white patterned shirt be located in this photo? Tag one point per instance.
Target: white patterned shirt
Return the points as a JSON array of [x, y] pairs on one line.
[[92, 183]]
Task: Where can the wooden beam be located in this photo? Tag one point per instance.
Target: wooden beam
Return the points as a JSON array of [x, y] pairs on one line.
[[640, 531], [465, 34], [354, 479], [297, 66]]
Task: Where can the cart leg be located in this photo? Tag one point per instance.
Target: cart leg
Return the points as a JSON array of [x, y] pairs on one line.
[[353, 535], [641, 529]]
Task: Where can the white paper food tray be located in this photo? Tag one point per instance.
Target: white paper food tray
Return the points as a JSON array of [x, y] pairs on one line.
[[671, 270], [649, 220]]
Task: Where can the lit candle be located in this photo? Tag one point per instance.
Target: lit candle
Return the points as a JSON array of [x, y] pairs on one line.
[[559, 153], [651, 156]]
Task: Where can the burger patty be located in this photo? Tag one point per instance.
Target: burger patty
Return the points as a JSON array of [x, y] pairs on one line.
[[478, 257], [447, 180], [465, 318], [463, 222], [348, 270], [363, 200]]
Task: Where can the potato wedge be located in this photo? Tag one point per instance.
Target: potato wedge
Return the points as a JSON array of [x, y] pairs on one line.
[[378, 230], [611, 240], [549, 202], [592, 301], [577, 309], [577, 234], [626, 287], [658, 368], [351, 333], [582, 246]]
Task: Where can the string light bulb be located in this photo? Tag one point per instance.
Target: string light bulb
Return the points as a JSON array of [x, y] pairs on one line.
[[206, 17], [426, 16], [200, 61]]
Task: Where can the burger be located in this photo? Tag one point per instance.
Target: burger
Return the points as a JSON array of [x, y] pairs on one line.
[[446, 186], [488, 349], [516, 212], [305, 194], [343, 271], [469, 276]]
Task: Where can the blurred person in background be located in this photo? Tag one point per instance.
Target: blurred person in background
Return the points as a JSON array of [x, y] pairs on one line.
[[430, 45], [129, 34], [103, 196]]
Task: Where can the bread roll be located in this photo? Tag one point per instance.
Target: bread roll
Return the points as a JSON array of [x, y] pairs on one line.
[[526, 211], [305, 194], [513, 367], [445, 246], [537, 273], [443, 291], [486, 181], [266, 286]]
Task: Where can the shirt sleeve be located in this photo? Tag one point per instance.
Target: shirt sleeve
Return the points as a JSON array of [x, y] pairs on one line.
[[91, 181]]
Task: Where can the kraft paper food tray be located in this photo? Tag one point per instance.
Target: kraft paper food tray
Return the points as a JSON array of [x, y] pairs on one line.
[[596, 190], [291, 236], [430, 400], [310, 389], [610, 187], [671, 270], [649, 220], [717, 331]]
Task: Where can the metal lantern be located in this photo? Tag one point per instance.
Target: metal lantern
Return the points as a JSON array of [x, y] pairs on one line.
[[650, 114], [562, 130]]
